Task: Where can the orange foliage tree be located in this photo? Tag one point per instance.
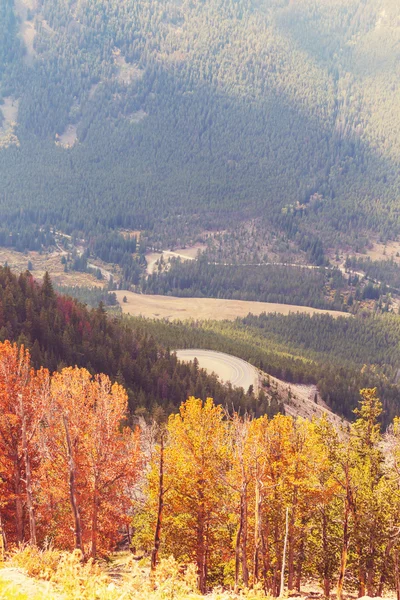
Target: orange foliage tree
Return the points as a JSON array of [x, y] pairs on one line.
[[89, 460], [23, 396]]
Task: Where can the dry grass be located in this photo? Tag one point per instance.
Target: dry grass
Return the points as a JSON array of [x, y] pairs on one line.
[[171, 308], [384, 251], [189, 253], [69, 578], [51, 262]]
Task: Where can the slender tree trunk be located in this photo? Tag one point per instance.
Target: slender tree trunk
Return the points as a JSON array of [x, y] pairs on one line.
[[72, 489], [3, 540], [300, 562], [361, 573], [245, 568], [19, 511], [275, 578], [382, 579], [201, 550], [282, 589], [397, 573], [28, 479], [291, 543], [343, 558], [238, 540], [266, 560], [371, 572], [325, 553], [95, 512], [157, 535], [257, 531]]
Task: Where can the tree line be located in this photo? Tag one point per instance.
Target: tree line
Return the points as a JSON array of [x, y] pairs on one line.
[[269, 283]]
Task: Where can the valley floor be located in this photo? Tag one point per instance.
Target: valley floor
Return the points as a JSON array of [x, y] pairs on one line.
[[173, 308]]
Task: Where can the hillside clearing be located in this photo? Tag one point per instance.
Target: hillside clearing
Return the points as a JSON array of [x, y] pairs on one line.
[[68, 138], [172, 308], [51, 262], [189, 253]]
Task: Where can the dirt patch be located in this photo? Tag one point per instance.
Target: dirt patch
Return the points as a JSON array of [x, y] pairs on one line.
[[68, 138], [172, 308], [7, 129]]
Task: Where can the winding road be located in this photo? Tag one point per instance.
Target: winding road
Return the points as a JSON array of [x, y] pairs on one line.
[[228, 368]]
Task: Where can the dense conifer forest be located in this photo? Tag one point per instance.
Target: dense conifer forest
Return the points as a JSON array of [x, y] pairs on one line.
[[200, 115], [59, 331]]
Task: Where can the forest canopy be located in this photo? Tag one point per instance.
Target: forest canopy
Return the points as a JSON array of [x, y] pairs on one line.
[[149, 115]]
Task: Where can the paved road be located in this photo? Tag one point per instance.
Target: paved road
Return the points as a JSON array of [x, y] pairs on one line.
[[228, 368]]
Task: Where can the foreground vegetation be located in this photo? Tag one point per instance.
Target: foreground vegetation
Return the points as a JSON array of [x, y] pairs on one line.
[[250, 502], [122, 578]]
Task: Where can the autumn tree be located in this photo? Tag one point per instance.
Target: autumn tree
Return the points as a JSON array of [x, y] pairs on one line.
[[23, 397], [92, 458], [196, 461]]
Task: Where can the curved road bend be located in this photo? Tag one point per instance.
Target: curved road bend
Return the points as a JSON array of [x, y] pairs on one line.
[[228, 368]]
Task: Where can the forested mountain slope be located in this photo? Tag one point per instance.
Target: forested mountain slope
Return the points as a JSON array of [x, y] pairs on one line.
[[59, 331], [148, 114]]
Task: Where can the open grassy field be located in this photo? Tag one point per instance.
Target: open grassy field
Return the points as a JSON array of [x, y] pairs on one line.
[[171, 308]]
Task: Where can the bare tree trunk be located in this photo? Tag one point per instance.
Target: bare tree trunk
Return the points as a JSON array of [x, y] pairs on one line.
[[201, 550], [257, 531], [95, 512], [291, 542], [361, 573], [266, 561], [3, 540], [343, 558], [72, 489], [282, 589], [19, 511], [325, 551], [245, 568], [300, 562], [237, 544], [371, 571], [28, 478], [157, 535], [397, 573]]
